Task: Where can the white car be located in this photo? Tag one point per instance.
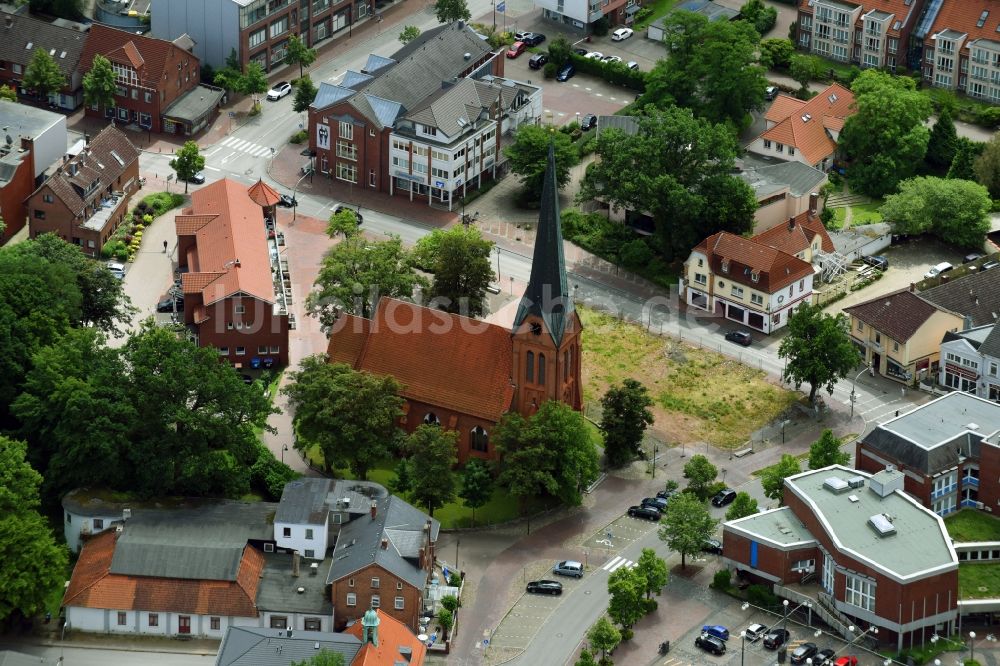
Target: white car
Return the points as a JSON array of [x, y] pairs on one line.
[[594, 55], [621, 33], [937, 270], [279, 90], [117, 269], [609, 59]]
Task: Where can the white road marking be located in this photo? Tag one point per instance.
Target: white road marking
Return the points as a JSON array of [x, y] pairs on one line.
[[206, 155], [211, 168], [228, 157], [261, 152], [617, 563]]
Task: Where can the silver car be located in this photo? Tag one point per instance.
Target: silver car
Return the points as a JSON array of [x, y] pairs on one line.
[[568, 568]]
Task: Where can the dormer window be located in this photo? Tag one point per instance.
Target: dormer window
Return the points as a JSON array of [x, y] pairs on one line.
[[725, 265], [755, 276]]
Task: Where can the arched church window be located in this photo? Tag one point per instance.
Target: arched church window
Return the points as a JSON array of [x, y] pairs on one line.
[[431, 419], [541, 369], [529, 367], [479, 439]]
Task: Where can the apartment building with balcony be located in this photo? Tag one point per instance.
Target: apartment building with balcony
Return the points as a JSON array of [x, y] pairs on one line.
[[970, 361], [580, 14], [961, 50], [873, 34]]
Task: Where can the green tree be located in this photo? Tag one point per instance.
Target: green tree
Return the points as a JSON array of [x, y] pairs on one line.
[[776, 53], [963, 165], [349, 415], [550, 453], [446, 619], [773, 478], [403, 480], [742, 506], [187, 163], [686, 526], [624, 419], [356, 273], [43, 75], [943, 142], [826, 451], [305, 93], [654, 571], [409, 33], [759, 15], [586, 659], [956, 211], [559, 50], [477, 486], [700, 473], [462, 271], [679, 170], [344, 222], [449, 11], [817, 349], [626, 587], [299, 54], [322, 658], [986, 166], [805, 68], [604, 636], [529, 154], [886, 138], [253, 82], [7, 93], [433, 454], [100, 84]]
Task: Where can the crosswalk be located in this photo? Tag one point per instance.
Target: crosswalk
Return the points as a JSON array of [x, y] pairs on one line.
[[244, 146], [613, 565]]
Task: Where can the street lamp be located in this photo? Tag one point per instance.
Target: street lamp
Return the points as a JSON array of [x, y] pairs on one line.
[[283, 449], [743, 645], [497, 248], [853, 383], [295, 203]]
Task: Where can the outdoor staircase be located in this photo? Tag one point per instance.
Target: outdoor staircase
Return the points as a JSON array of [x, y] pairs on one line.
[[844, 199]]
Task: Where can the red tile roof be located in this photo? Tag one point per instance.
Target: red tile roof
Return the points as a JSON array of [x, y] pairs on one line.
[[899, 314], [147, 55], [440, 358], [746, 257], [351, 334], [392, 635], [93, 586], [263, 194], [963, 15], [796, 235], [805, 125]]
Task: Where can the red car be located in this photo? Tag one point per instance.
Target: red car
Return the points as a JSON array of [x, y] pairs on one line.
[[516, 49], [849, 660]]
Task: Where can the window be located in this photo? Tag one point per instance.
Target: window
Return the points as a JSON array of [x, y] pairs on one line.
[[39, 214], [430, 418], [346, 130], [861, 325], [860, 592], [756, 299], [529, 368], [700, 278], [279, 622], [376, 601], [223, 351], [17, 68], [375, 581], [828, 573], [993, 369], [154, 619], [399, 585], [286, 532], [479, 439], [767, 144], [350, 582], [309, 534], [780, 147], [121, 619], [135, 93], [736, 291], [48, 198], [214, 623], [241, 351], [262, 349], [310, 553], [347, 172], [399, 603], [275, 349], [895, 346], [347, 150], [541, 369], [313, 624], [279, 27], [371, 178], [268, 547]]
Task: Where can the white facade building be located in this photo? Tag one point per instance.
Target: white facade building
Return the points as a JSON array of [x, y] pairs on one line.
[[970, 361]]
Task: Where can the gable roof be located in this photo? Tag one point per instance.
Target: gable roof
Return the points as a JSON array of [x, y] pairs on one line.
[[796, 235], [21, 36], [991, 345], [975, 295], [746, 257], [898, 314], [455, 107], [396, 644], [426, 350], [259, 646], [147, 55], [964, 17], [804, 126]]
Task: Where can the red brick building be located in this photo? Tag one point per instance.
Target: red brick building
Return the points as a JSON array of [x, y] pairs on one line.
[[22, 35], [858, 549], [157, 82], [231, 300], [87, 198]]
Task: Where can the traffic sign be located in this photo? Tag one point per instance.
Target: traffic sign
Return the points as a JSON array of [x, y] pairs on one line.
[[501, 7]]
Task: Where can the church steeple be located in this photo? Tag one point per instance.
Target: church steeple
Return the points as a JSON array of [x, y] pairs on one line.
[[547, 295]]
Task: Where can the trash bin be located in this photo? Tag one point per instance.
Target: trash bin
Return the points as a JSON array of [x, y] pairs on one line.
[[782, 653]]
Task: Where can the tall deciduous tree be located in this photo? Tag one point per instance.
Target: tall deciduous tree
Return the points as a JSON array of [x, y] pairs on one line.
[[343, 222], [760, 16], [654, 571], [963, 165], [687, 526], [299, 54], [356, 272], [529, 153], [43, 74], [826, 451], [886, 138], [624, 419], [776, 53], [744, 505], [449, 11], [187, 163], [7, 93], [805, 68], [818, 349], [604, 636], [477, 486], [679, 170], [433, 454], [773, 477], [626, 587], [986, 166], [586, 659], [700, 473], [252, 82], [957, 211], [459, 258], [100, 84], [349, 415], [305, 93], [943, 142]]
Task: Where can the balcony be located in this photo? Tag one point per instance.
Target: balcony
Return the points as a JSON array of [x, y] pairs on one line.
[[937, 494], [970, 482]]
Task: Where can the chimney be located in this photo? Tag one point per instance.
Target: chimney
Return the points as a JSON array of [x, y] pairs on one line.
[[791, 223], [913, 287], [237, 263], [385, 544], [813, 203], [295, 564], [374, 509]]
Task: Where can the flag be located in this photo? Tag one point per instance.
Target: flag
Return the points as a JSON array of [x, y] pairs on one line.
[[501, 6]]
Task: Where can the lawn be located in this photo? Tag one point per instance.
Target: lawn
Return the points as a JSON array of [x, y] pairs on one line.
[[860, 214], [660, 8], [699, 395], [971, 525], [979, 580]]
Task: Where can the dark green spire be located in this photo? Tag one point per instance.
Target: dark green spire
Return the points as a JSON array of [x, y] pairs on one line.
[[547, 295]]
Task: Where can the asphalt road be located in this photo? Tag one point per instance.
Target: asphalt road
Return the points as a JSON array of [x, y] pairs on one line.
[[75, 656]]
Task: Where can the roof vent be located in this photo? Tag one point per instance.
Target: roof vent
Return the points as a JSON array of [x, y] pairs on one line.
[[300, 590], [856, 482], [313, 568], [467, 56], [126, 513], [835, 485], [973, 426], [882, 524], [854, 499]]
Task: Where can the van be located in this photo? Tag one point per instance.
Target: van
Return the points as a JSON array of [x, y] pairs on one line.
[[568, 568], [937, 270]]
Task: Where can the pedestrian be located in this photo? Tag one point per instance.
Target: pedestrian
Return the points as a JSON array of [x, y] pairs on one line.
[[164, 247]]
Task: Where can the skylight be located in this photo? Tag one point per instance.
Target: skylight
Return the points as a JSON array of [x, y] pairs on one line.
[[52, 52], [982, 18], [28, 47], [118, 158], [832, 98], [62, 55]]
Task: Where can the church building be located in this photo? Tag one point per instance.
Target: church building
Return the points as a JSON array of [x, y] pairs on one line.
[[464, 374]]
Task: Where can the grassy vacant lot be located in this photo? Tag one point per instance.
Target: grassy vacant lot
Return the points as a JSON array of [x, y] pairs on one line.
[[979, 580], [660, 8], [699, 395], [860, 214], [972, 525]]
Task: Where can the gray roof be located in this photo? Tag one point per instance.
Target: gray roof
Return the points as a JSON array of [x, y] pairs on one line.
[[799, 178], [279, 589], [386, 111], [26, 121], [976, 295], [710, 10], [919, 546], [931, 437], [257, 646], [195, 103], [329, 94], [203, 543], [974, 336], [25, 31], [466, 101], [303, 502], [354, 79], [376, 63], [9, 164], [856, 237], [359, 543], [780, 526], [991, 345]]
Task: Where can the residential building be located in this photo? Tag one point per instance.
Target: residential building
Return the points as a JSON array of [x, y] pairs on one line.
[[875, 33], [783, 190], [311, 511], [87, 198], [425, 123], [975, 296], [857, 548], [256, 30], [158, 82], [757, 282], [579, 15], [948, 451], [961, 48], [233, 301], [502, 370], [899, 334], [35, 140], [970, 361], [22, 35], [805, 131]]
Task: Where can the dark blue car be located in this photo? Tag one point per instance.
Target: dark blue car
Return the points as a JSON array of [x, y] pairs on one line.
[[566, 72]]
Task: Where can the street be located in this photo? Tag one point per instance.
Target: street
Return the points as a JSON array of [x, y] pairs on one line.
[[76, 656]]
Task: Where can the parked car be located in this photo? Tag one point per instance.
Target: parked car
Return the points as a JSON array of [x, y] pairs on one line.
[[645, 512], [713, 546], [846, 660], [770, 92], [803, 652], [755, 632], [580, 52], [632, 64], [538, 61], [666, 494], [969, 258], [776, 638], [533, 38], [247, 379], [657, 503], [594, 55], [198, 178], [167, 305], [520, 35], [621, 33], [589, 121], [286, 201], [988, 265], [566, 73], [516, 49], [724, 497], [568, 568], [716, 630], [610, 59], [878, 261], [357, 213], [739, 337], [824, 657], [710, 644], [937, 270], [117, 269], [544, 587], [279, 90]]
